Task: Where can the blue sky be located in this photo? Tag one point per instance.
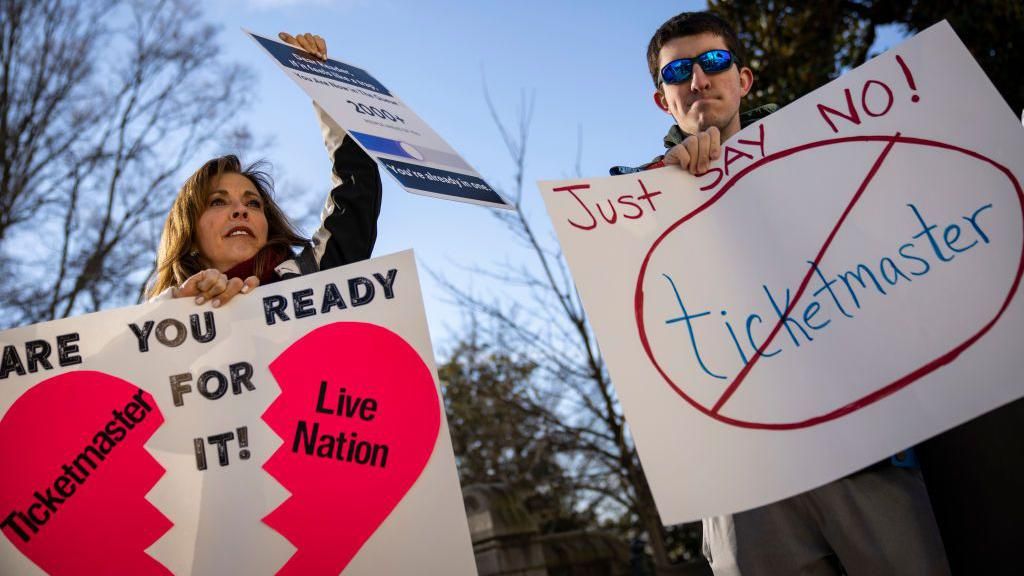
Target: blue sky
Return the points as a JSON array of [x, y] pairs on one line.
[[583, 63]]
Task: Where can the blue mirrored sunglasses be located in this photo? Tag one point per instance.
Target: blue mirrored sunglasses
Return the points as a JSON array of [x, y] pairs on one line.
[[711, 62]]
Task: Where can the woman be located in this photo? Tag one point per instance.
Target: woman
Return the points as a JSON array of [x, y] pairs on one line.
[[225, 235]]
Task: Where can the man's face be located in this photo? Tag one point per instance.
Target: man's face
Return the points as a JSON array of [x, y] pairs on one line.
[[704, 100]]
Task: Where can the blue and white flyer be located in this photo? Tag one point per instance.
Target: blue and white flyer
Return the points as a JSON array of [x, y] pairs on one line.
[[388, 130]]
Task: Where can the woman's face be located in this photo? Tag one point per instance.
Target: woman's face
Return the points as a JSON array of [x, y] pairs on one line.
[[232, 227]]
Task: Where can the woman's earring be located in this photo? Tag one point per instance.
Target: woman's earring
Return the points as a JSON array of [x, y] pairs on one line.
[[194, 253]]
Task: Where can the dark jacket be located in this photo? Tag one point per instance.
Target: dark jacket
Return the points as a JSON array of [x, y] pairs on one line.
[[348, 222]]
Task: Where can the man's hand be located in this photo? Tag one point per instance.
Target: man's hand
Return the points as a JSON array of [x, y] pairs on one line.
[[696, 152], [311, 43], [212, 284]]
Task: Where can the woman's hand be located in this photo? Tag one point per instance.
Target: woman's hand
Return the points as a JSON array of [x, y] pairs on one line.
[[213, 285], [311, 43]]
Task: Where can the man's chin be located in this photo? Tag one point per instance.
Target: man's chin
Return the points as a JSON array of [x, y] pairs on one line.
[[700, 117], [705, 121], [699, 120]]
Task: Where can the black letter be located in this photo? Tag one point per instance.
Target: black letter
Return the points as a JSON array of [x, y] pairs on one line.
[[332, 297], [50, 501], [9, 523], [308, 439], [11, 362], [303, 303], [221, 440], [272, 305], [241, 373], [320, 399], [179, 337], [37, 351], [353, 291], [142, 334], [211, 329], [388, 283], [66, 350], [177, 390], [204, 387]]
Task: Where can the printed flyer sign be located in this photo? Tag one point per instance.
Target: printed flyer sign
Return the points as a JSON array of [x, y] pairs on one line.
[[388, 130], [841, 284], [297, 430]]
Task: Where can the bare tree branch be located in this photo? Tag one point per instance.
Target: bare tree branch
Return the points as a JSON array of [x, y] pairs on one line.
[[539, 316], [102, 105]]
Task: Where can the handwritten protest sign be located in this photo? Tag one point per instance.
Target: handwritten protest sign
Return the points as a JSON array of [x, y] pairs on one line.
[[841, 284], [298, 430], [388, 130]]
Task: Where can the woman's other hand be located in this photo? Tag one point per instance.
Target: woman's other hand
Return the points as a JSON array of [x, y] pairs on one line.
[[212, 285], [311, 43]]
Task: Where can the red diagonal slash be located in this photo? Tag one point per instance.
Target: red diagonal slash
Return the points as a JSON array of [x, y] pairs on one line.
[[807, 278]]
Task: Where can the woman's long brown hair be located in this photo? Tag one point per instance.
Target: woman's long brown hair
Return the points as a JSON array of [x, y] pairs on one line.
[[178, 258]]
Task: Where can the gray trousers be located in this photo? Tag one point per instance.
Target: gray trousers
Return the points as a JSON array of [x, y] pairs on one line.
[[872, 523]]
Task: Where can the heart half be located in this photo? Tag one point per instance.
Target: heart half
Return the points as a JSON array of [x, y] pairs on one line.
[[360, 415], [76, 475]]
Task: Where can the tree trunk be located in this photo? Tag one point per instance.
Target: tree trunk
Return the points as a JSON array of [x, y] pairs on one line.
[[647, 514]]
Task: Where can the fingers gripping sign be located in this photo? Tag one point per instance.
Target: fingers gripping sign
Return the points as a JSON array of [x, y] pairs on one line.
[[213, 285], [311, 43], [696, 152]]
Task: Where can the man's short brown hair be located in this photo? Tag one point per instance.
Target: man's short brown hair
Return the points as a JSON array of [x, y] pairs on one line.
[[691, 24]]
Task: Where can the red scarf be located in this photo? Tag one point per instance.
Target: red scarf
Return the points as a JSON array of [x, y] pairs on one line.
[[243, 270]]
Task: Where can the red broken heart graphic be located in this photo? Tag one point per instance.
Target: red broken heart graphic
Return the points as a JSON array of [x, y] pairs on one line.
[[359, 414], [714, 408], [76, 475]]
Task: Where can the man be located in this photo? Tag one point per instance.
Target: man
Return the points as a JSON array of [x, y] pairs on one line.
[[875, 522], [706, 106]]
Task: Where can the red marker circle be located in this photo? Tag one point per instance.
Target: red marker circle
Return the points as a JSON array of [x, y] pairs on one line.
[[881, 392]]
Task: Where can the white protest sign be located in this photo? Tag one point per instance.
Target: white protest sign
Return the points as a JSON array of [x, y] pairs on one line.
[[842, 284], [297, 430], [388, 130]]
